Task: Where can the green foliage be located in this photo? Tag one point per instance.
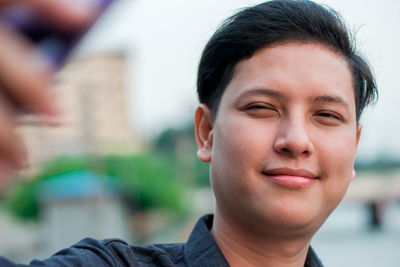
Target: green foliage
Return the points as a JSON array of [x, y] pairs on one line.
[[62, 165], [23, 198], [180, 146], [23, 201], [147, 181], [202, 173], [168, 140]]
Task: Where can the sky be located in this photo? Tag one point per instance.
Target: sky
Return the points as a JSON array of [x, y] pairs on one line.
[[164, 40]]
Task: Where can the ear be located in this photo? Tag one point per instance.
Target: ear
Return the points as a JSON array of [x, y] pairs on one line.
[[359, 128], [203, 130]]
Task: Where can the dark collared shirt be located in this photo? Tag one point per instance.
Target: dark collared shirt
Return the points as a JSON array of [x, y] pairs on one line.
[[200, 250]]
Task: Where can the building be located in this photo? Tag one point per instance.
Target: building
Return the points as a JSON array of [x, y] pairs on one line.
[[91, 94], [79, 204]]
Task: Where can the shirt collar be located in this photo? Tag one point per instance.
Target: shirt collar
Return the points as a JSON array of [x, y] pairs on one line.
[[312, 259], [201, 249]]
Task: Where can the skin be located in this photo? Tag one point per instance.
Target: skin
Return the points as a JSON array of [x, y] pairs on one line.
[[281, 152], [26, 76]]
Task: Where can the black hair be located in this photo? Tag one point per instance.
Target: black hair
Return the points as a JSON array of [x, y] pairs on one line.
[[274, 22]]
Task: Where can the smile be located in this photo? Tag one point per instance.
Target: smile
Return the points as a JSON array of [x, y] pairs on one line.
[[291, 178]]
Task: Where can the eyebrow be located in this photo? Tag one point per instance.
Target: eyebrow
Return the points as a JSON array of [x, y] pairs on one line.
[[331, 99], [328, 99], [262, 91]]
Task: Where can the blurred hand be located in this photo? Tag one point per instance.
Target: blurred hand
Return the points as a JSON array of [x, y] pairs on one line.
[[25, 74]]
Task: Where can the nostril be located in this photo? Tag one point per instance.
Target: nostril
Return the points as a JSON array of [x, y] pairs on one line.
[[293, 151], [293, 144]]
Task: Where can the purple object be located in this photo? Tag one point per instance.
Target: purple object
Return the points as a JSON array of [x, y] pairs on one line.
[[54, 43]]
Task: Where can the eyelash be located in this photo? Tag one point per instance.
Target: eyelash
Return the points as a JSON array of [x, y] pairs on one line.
[[260, 110], [260, 106], [329, 115], [324, 115], [257, 107]]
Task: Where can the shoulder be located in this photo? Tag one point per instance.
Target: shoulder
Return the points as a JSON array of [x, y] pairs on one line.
[[115, 252], [157, 254]]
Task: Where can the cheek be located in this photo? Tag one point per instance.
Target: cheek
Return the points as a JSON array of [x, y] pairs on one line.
[[239, 147], [337, 163], [240, 142]]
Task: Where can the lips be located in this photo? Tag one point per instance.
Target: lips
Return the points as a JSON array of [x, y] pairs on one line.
[[291, 178]]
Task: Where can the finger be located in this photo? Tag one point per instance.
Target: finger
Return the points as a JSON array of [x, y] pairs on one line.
[[25, 77], [5, 171], [62, 14], [12, 152]]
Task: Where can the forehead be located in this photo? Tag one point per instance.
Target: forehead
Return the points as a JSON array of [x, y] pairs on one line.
[[295, 69]]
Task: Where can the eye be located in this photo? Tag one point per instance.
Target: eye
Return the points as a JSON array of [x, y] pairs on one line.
[[257, 106], [261, 110], [327, 117]]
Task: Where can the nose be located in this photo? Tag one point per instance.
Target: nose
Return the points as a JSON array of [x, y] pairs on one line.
[[292, 139]]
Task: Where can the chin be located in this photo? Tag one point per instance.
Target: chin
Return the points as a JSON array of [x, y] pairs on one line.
[[292, 218]]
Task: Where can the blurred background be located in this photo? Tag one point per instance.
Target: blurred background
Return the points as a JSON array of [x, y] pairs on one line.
[[123, 162]]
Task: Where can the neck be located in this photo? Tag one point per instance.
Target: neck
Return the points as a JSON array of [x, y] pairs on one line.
[[244, 247]]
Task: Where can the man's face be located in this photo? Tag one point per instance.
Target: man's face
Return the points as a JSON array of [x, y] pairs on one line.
[[282, 146]]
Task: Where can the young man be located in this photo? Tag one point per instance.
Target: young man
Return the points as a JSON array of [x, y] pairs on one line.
[[281, 90]]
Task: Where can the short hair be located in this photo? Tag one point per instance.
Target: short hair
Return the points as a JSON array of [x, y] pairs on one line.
[[271, 23]]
